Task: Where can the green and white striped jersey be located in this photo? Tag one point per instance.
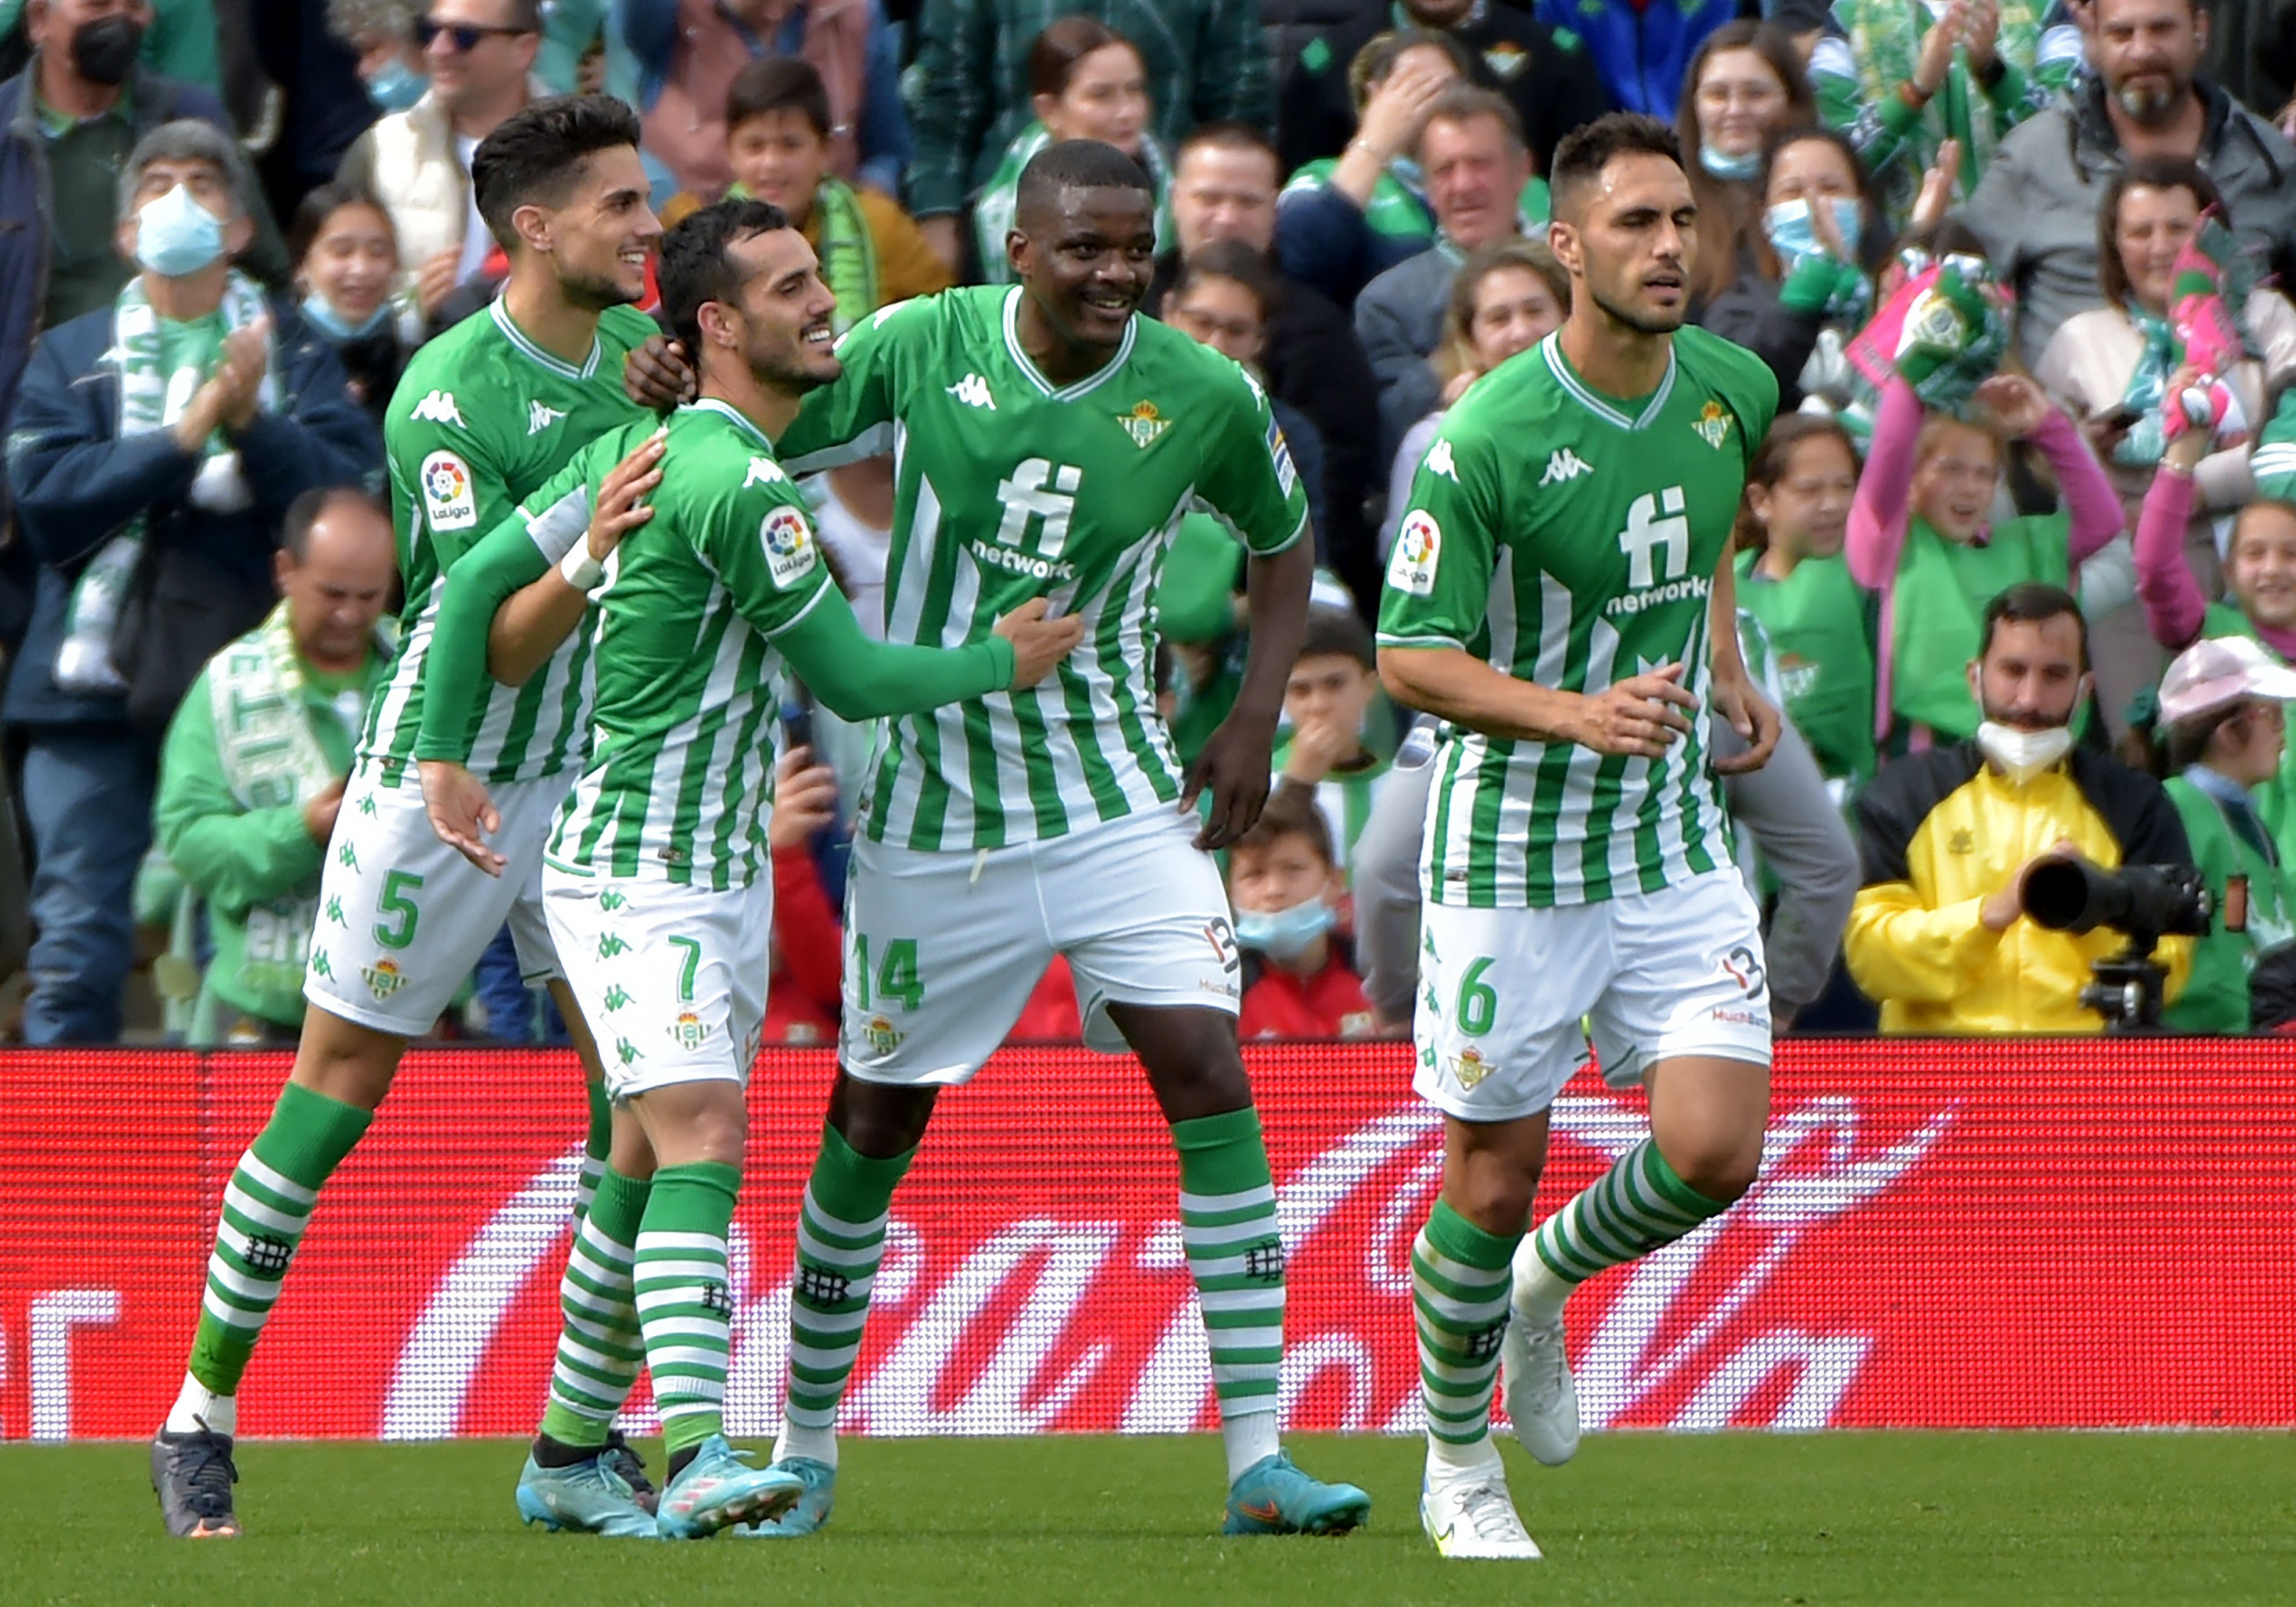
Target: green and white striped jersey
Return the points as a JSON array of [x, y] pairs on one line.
[[1572, 540], [482, 418], [1010, 488], [681, 761]]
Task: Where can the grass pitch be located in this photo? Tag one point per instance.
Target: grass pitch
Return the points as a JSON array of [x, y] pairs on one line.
[[1048, 1522]]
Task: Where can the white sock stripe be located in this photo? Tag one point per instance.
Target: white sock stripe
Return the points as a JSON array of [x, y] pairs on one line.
[[1466, 1314], [691, 1403], [221, 1273], [1262, 1227], [814, 1249], [1241, 1299], [828, 1321], [671, 1359], [604, 1333], [237, 1199], [1256, 1373], [1458, 1271], [1243, 1339], [612, 1275], [231, 1316], [654, 1274], [1219, 1267], [652, 1243], [675, 1298], [820, 1419], [571, 1350], [1204, 1205], [600, 1247], [285, 1187], [838, 1225], [619, 1312], [565, 1380], [685, 1327], [807, 1356]]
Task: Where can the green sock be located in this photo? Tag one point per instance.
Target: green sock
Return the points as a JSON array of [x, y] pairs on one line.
[[841, 1237], [1236, 1253], [1630, 1210], [1459, 1281], [685, 1307], [600, 1348], [595, 1148], [265, 1207]]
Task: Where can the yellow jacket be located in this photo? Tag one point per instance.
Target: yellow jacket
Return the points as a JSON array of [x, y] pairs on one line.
[[1942, 832]]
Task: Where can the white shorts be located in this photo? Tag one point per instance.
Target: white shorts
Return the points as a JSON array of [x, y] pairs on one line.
[[1654, 977], [671, 980], [943, 949], [402, 917]]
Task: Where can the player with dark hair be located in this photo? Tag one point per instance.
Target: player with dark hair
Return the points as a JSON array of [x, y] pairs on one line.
[[1560, 596], [483, 415]]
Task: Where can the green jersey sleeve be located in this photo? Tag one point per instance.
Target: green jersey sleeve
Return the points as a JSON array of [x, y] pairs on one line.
[[1438, 576], [760, 539], [852, 416], [448, 468], [1247, 477]]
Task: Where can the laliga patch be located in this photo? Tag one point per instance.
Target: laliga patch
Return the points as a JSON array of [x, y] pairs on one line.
[[789, 545], [449, 500], [1418, 544]]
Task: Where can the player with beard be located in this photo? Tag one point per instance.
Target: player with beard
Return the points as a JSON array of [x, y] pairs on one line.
[[654, 879], [1559, 594], [483, 416], [1051, 440]]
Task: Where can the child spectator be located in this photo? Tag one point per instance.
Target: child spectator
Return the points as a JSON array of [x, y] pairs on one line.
[[346, 254], [1328, 702], [1793, 579], [1286, 889]]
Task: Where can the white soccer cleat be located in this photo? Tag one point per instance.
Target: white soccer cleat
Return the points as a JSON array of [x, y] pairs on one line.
[[1471, 1520], [1535, 1381]]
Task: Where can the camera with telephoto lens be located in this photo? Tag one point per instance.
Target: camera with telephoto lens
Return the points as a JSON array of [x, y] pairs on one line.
[[2143, 903]]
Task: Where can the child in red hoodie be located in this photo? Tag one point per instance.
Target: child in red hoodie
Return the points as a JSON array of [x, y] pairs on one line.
[[1286, 886]]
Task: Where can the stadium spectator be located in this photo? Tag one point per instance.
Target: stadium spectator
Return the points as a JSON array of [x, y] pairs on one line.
[[1341, 221], [1477, 167], [2035, 207], [1546, 74], [969, 93], [1805, 285], [379, 34], [1642, 49], [170, 38], [1922, 534], [346, 267], [802, 995], [1743, 86], [1505, 298], [2259, 560], [2220, 732], [1938, 937], [1086, 82], [252, 772], [156, 446], [66, 123], [777, 131], [1792, 577], [1331, 703], [1225, 181], [687, 53], [1286, 886], [1900, 80], [480, 54], [1224, 296]]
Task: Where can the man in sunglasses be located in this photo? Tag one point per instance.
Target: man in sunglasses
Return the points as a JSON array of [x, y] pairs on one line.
[[478, 54]]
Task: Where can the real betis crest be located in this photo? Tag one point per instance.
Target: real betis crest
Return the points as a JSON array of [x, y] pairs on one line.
[[1143, 424], [382, 978], [1713, 425], [688, 1031]]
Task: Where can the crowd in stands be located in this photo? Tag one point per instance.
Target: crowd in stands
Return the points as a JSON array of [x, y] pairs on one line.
[[2029, 502]]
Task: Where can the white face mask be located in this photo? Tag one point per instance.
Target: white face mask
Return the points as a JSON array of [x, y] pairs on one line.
[[2022, 754]]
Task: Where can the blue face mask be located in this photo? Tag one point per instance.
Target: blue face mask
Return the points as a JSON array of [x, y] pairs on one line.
[[397, 86], [1287, 933], [176, 236], [321, 313], [1737, 168], [1794, 236]]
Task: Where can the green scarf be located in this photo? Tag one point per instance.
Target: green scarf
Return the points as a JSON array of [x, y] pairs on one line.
[[153, 396], [2148, 383], [849, 250]]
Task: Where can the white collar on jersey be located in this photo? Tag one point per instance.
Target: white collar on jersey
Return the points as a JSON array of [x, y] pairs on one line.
[[1559, 366], [519, 337], [1027, 366], [727, 410]]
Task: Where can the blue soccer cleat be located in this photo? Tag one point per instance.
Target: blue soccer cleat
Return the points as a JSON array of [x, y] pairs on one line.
[[811, 1512], [717, 1490], [1274, 1497], [590, 1497]]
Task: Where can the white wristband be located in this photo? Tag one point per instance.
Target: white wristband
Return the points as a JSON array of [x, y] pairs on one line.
[[582, 571]]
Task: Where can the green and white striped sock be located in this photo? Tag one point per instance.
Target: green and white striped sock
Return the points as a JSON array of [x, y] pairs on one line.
[[265, 1207], [841, 1237], [1459, 1281], [600, 1347], [686, 1306], [1630, 1210], [596, 1146], [1236, 1253]]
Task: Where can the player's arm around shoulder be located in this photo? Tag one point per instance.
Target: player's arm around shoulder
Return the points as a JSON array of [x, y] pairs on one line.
[[852, 416], [553, 551]]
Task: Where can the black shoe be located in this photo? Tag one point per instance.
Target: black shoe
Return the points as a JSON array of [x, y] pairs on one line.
[[630, 1467], [193, 1474]]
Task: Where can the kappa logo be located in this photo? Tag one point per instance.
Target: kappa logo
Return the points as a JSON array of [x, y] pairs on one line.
[[617, 997], [1564, 466], [321, 966], [626, 1050], [539, 418], [335, 911], [439, 408], [763, 471], [1439, 462], [610, 900], [1961, 842], [347, 857], [609, 946], [972, 391]]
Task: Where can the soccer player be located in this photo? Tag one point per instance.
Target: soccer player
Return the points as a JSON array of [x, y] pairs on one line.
[[1051, 440], [483, 416], [655, 884], [1560, 596]]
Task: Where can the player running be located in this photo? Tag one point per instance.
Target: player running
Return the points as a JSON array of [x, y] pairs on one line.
[[1049, 440], [655, 883], [483, 416], [1559, 594]]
